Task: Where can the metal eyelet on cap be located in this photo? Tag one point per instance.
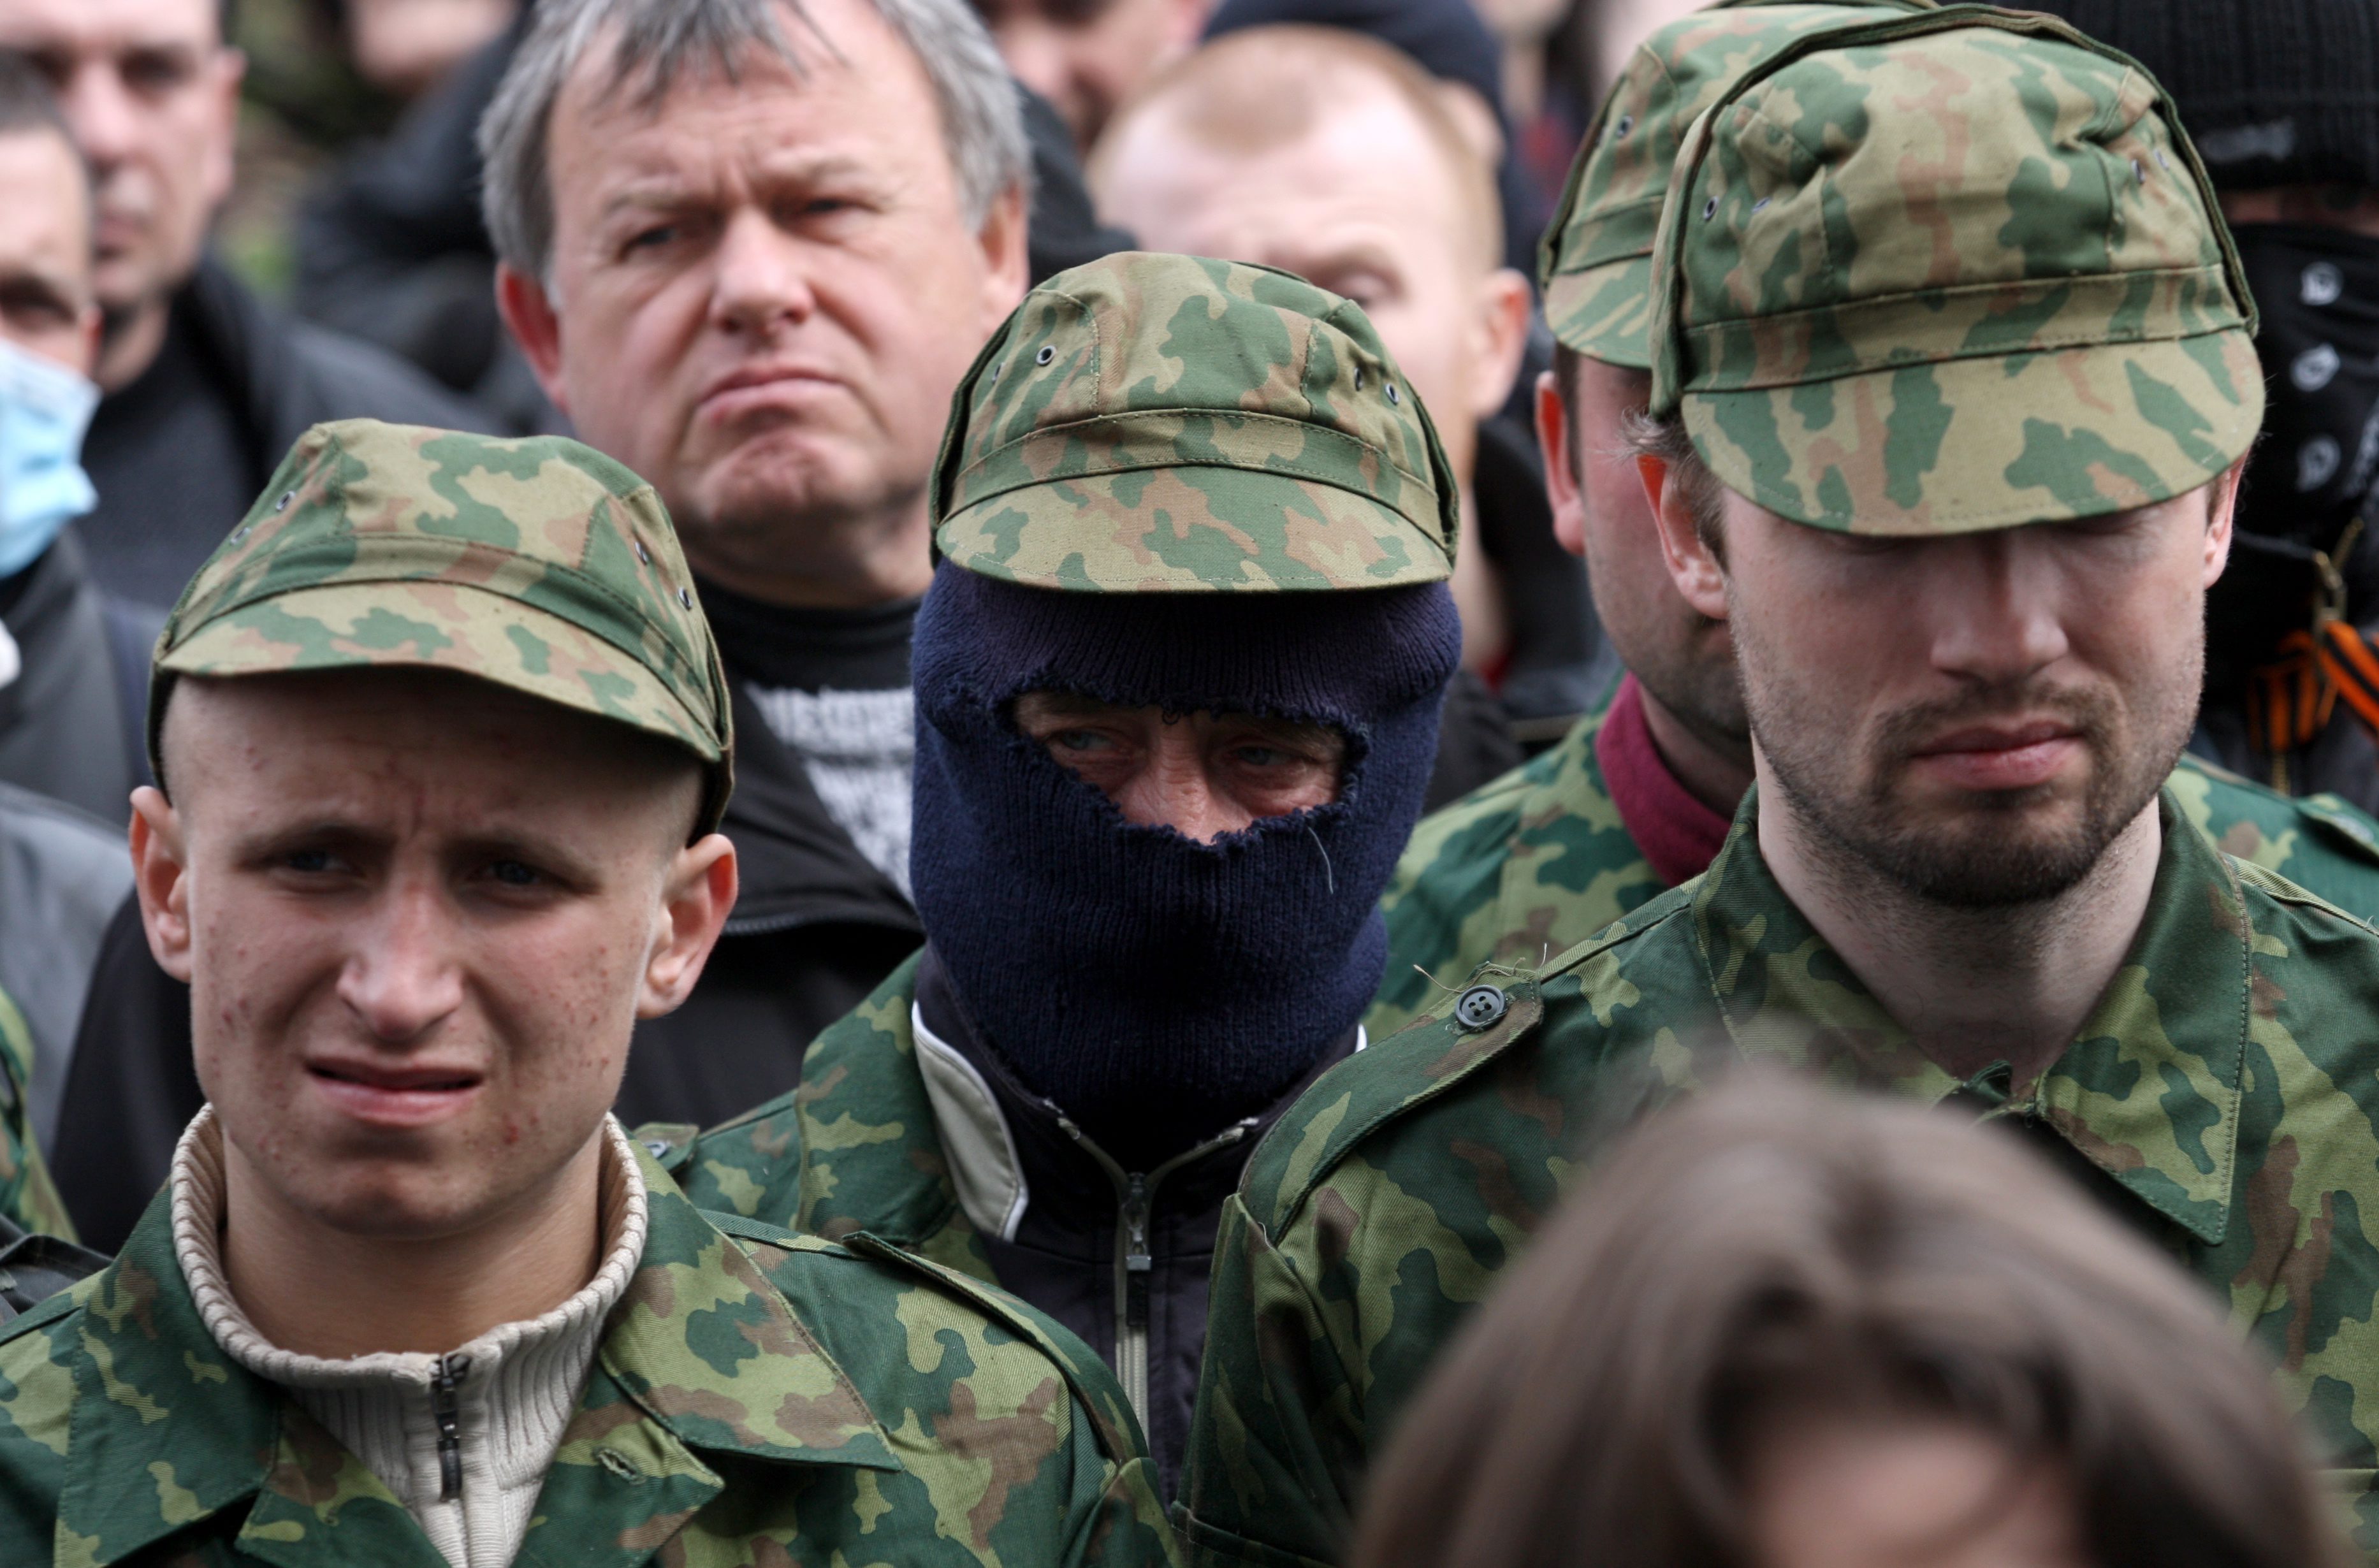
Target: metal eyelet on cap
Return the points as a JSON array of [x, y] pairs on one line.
[[685, 598], [643, 558], [1709, 209], [1359, 378], [1480, 1006], [2139, 172], [1392, 392], [1048, 352], [1626, 123], [2162, 162], [286, 497]]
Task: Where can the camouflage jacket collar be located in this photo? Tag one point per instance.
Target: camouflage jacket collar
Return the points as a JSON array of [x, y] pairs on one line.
[[870, 1152], [2148, 1091], [701, 1355]]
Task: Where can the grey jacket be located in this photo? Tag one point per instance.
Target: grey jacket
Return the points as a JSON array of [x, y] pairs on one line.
[[62, 874], [71, 709]]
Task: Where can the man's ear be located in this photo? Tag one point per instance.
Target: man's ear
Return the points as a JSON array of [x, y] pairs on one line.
[[2221, 520], [1006, 264], [1499, 334], [1561, 488], [160, 880], [697, 894], [1693, 565], [536, 327]]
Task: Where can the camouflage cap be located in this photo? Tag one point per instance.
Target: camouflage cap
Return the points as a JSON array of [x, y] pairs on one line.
[[1175, 424], [1595, 262], [538, 564], [1948, 272]]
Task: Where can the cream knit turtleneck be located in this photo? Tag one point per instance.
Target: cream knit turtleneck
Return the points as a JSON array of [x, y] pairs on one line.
[[521, 1386]]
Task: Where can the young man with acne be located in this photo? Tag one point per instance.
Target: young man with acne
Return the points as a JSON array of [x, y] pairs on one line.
[[442, 744], [1178, 699], [1952, 374]]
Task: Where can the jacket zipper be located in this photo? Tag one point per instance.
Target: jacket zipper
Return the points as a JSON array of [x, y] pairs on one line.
[[446, 1407], [1134, 1264]]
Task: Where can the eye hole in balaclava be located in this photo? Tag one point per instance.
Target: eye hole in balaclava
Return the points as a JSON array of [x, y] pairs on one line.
[[1155, 987], [1129, 763]]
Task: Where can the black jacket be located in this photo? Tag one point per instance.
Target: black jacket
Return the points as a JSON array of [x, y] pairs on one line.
[[815, 929], [253, 379], [1064, 231], [72, 721], [391, 247]]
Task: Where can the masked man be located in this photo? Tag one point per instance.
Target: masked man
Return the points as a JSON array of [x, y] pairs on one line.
[[1178, 690]]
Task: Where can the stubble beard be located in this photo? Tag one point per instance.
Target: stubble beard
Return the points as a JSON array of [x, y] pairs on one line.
[[1995, 849], [1699, 685]]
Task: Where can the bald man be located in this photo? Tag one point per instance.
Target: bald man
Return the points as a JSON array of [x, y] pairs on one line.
[[1332, 156]]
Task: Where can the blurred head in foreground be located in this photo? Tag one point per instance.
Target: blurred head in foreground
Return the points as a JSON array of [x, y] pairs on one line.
[[1790, 1328]]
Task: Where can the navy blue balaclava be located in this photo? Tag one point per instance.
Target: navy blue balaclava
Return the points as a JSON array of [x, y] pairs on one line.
[[1152, 987]]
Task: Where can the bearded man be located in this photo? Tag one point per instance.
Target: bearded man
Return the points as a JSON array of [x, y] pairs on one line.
[[1952, 373]]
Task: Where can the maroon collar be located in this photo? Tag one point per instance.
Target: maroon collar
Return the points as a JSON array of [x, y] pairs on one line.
[[1677, 835]]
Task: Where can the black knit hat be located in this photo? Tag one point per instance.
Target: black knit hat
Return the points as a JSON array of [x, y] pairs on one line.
[[2274, 91]]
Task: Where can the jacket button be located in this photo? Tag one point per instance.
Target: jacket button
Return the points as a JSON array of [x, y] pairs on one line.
[[1480, 1006]]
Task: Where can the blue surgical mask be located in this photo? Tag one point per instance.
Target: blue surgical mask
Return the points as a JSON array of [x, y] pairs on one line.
[[45, 408]]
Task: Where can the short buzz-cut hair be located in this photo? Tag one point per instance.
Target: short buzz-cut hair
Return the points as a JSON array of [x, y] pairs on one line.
[[654, 43], [1255, 89]]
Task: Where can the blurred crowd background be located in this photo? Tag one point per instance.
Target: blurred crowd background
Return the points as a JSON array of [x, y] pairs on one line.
[[1858, 1284], [328, 80]]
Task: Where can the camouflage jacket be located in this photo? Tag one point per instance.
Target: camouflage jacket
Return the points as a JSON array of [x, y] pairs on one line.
[[854, 1148], [28, 1198], [2227, 1086], [757, 1398], [903, 1134], [1539, 861]]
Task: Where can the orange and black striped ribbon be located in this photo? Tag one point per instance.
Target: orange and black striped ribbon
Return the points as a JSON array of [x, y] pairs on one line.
[[2292, 699]]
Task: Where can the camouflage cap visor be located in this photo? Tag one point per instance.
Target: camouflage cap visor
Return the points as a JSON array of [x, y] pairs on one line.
[[452, 626], [1950, 272], [1968, 445], [1184, 528]]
